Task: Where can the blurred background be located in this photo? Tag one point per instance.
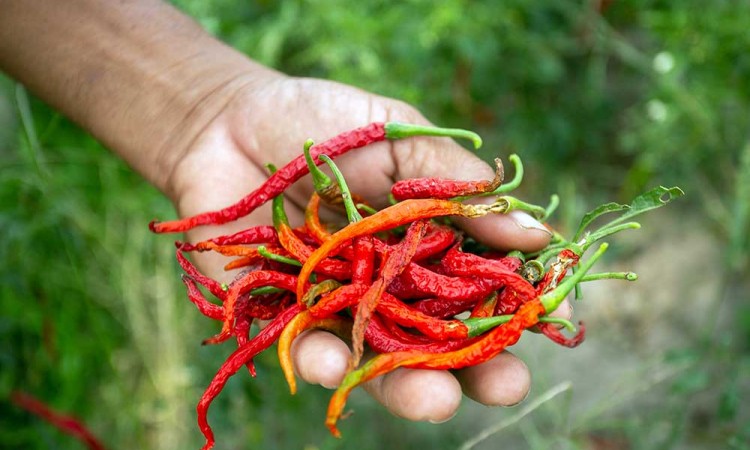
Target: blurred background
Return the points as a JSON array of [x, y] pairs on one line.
[[601, 99]]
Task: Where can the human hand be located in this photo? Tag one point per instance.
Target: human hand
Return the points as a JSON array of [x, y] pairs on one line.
[[269, 121]]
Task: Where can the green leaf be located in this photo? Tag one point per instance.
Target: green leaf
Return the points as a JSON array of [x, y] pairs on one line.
[[647, 201]]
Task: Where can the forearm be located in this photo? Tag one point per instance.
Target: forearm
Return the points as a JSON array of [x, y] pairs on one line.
[[139, 75]]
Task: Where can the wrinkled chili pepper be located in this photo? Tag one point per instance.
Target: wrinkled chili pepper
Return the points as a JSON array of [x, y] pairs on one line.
[[297, 168], [264, 339], [392, 266], [242, 285], [394, 216], [445, 188], [261, 234], [63, 422]]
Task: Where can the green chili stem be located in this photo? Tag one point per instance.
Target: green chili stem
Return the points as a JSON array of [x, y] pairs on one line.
[[351, 211], [601, 233], [263, 251], [397, 130], [265, 290], [627, 276], [321, 181], [506, 204], [554, 202], [366, 208], [480, 325], [559, 321]]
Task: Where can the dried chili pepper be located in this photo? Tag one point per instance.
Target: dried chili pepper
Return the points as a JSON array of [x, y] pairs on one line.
[[392, 266], [264, 339], [394, 216], [63, 422], [261, 234], [297, 168], [445, 188], [242, 285]]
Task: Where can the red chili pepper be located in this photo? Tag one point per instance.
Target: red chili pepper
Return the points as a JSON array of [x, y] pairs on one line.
[[340, 270], [393, 264], [261, 234], [297, 168], [208, 309], [445, 188], [433, 284], [445, 307], [436, 329], [65, 423], [384, 339], [549, 330], [399, 214], [363, 260], [242, 332], [264, 339], [213, 286], [242, 285]]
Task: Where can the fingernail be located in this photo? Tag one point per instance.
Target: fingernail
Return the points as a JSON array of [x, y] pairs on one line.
[[437, 422], [527, 222]]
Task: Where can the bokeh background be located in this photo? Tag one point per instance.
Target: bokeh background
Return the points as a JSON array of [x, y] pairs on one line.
[[602, 99]]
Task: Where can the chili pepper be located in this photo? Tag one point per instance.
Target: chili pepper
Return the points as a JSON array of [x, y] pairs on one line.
[[208, 309], [486, 307], [445, 188], [394, 216], [384, 339], [556, 336], [444, 307], [340, 270], [363, 261], [393, 264], [264, 339], [242, 334], [65, 423], [437, 329], [213, 286], [312, 219], [433, 284], [246, 283], [489, 346], [303, 321], [460, 263], [297, 168], [466, 264], [261, 234]]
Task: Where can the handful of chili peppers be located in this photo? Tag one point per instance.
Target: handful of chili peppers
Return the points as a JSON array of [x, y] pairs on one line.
[[401, 280]]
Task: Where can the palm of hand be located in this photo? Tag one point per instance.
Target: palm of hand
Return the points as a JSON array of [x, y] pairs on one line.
[[270, 124]]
